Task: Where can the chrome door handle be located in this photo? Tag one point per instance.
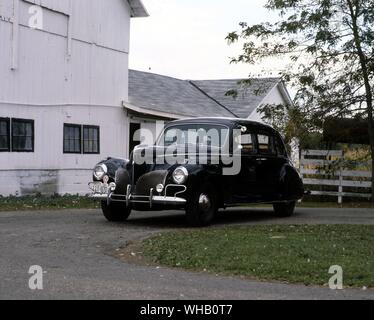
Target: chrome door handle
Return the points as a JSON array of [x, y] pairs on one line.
[[261, 159]]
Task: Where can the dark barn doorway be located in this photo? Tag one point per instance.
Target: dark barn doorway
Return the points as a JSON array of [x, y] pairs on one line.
[[134, 138]]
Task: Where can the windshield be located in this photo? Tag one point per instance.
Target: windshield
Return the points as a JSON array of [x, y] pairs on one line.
[[211, 135]]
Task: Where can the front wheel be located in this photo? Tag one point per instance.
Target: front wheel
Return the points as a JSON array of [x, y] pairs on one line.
[[202, 207], [284, 209], [115, 212]]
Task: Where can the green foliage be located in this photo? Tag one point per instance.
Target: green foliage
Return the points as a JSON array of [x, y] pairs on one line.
[[330, 44], [55, 202], [296, 254], [293, 123], [346, 130]]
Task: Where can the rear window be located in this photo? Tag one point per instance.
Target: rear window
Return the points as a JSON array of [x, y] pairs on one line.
[[246, 142]]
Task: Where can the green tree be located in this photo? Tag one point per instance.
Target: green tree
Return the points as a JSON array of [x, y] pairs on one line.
[[292, 123], [331, 46]]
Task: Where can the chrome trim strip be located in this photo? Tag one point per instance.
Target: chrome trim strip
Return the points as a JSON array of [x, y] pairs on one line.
[[148, 200], [175, 185], [133, 172], [151, 198], [128, 195], [98, 197], [180, 192], [161, 199]]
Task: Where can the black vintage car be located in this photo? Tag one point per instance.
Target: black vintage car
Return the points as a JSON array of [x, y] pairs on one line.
[[201, 165]]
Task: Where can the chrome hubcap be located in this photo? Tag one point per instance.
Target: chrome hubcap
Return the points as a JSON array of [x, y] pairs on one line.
[[204, 202]]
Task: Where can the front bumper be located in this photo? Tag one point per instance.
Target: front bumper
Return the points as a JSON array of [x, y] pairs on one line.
[[150, 199]]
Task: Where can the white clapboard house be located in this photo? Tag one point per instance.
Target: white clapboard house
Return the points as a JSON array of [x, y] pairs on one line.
[[68, 99], [63, 78]]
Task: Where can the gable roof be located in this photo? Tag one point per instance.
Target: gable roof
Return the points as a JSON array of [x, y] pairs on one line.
[[203, 98], [169, 95], [137, 8], [249, 96]]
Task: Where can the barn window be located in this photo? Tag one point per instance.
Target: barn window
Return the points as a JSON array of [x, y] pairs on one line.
[[4, 134], [91, 139], [22, 135], [72, 138], [81, 139]]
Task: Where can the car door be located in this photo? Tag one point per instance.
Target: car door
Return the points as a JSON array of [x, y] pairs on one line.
[[245, 183], [267, 166], [280, 165]]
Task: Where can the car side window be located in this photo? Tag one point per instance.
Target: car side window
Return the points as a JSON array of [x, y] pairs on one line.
[[265, 144], [246, 141]]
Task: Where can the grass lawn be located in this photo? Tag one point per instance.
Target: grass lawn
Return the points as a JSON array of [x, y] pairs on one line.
[[46, 203], [347, 205], [79, 202], [294, 254]]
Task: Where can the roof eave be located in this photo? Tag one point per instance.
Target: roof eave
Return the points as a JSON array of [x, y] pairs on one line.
[[286, 94], [145, 111], [138, 9]]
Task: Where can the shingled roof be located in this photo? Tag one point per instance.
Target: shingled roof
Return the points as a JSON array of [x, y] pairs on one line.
[[248, 96], [204, 98], [137, 8]]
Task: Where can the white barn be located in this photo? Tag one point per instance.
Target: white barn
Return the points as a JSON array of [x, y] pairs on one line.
[[64, 76]]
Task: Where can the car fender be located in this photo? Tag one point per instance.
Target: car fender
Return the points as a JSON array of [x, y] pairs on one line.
[[113, 164], [290, 182]]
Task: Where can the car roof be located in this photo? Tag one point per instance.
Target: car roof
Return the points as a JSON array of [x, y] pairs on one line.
[[231, 122]]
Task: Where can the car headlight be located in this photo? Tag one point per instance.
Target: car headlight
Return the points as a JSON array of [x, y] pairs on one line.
[[160, 188], [100, 171], [180, 175]]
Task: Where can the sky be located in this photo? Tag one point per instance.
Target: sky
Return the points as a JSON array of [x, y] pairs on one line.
[[186, 38]]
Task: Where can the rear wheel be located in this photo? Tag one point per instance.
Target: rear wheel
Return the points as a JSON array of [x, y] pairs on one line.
[[202, 207], [286, 209], [115, 212]]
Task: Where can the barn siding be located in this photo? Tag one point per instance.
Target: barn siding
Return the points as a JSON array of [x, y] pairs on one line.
[[52, 88]]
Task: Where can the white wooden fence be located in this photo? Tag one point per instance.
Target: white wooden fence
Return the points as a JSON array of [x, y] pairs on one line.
[[329, 165]]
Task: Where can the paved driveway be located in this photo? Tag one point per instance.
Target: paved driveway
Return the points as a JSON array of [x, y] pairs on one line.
[[75, 249]]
